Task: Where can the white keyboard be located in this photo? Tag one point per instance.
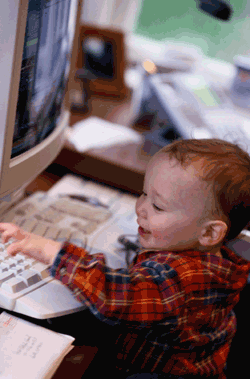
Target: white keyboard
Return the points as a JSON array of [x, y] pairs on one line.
[[94, 223]]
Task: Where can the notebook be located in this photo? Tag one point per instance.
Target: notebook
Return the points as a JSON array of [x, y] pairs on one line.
[[29, 351]]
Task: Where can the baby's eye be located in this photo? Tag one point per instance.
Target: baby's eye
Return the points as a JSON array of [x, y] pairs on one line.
[[144, 193], [157, 208]]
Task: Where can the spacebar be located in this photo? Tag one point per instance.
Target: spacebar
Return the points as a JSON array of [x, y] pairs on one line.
[[51, 300]]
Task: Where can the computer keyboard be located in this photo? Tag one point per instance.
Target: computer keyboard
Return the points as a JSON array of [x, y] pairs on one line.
[[93, 222], [19, 274]]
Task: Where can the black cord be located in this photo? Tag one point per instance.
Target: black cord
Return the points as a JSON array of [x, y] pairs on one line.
[[129, 245]]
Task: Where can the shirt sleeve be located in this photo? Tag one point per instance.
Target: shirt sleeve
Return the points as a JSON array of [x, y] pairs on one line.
[[147, 292]]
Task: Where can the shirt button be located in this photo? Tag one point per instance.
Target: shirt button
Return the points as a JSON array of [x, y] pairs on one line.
[[62, 271]]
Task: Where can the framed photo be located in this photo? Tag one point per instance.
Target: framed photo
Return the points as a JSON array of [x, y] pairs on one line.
[[101, 53]]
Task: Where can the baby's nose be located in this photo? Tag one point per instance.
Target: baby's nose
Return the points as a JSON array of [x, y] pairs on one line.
[[141, 211], [141, 208]]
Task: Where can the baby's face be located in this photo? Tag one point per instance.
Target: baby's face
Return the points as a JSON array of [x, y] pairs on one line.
[[171, 206]]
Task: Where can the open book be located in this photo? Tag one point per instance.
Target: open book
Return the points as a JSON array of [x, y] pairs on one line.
[[29, 351]]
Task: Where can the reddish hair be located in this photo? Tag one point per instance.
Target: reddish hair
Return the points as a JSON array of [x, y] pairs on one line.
[[226, 167]]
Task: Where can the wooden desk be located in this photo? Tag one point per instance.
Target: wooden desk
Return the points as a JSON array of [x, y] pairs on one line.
[[76, 362], [119, 166]]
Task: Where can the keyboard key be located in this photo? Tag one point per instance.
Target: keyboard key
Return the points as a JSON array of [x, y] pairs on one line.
[[86, 227], [18, 258], [29, 224], [40, 229], [12, 261], [6, 276], [3, 256], [30, 261], [41, 269], [16, 270], [80, 224], [49, 215], [7, 264], [24, 265], [52, 233], [19, 267], [63, 235], [29, 277], [14, 285]]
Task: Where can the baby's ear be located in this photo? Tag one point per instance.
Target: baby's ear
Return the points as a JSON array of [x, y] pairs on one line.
[[212, 232]]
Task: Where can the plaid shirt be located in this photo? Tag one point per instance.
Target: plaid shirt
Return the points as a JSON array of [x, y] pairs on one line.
[[175, 309]]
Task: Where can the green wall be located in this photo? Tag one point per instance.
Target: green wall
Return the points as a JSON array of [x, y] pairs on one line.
[[181, 20]]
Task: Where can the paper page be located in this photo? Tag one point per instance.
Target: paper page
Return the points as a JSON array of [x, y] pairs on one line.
[[95, 132], [57, 363], [68, 184], [33, 348]]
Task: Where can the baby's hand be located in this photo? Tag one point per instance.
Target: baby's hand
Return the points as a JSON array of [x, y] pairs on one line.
[[39, 248]]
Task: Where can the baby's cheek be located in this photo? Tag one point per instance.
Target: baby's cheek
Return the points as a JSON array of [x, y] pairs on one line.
[[159, 235]]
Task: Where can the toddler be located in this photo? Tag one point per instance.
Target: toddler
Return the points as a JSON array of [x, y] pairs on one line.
[[173, 307]]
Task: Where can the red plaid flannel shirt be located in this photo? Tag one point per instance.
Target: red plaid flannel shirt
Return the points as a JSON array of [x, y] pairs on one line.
[[175, 309]]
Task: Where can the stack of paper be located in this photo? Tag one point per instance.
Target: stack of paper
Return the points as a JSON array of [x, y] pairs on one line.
[[29, 351], [95, 132]]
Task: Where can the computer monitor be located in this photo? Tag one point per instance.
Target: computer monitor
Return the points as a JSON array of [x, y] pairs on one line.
[[36, 42]]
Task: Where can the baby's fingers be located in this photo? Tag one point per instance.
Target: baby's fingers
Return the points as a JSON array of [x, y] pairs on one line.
[[14, 248], [10, 231]]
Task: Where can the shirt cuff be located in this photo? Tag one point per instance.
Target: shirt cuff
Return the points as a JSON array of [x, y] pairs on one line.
[[58, 259], [66, 262]]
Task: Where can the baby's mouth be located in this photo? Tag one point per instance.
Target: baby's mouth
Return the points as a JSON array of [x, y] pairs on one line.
[[143, 231]]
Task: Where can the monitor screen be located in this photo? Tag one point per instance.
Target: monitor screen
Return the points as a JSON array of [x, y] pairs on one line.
[[43, 73], [36, 39]]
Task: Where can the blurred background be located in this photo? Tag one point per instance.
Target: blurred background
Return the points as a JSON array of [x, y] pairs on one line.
[[164, 70]]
